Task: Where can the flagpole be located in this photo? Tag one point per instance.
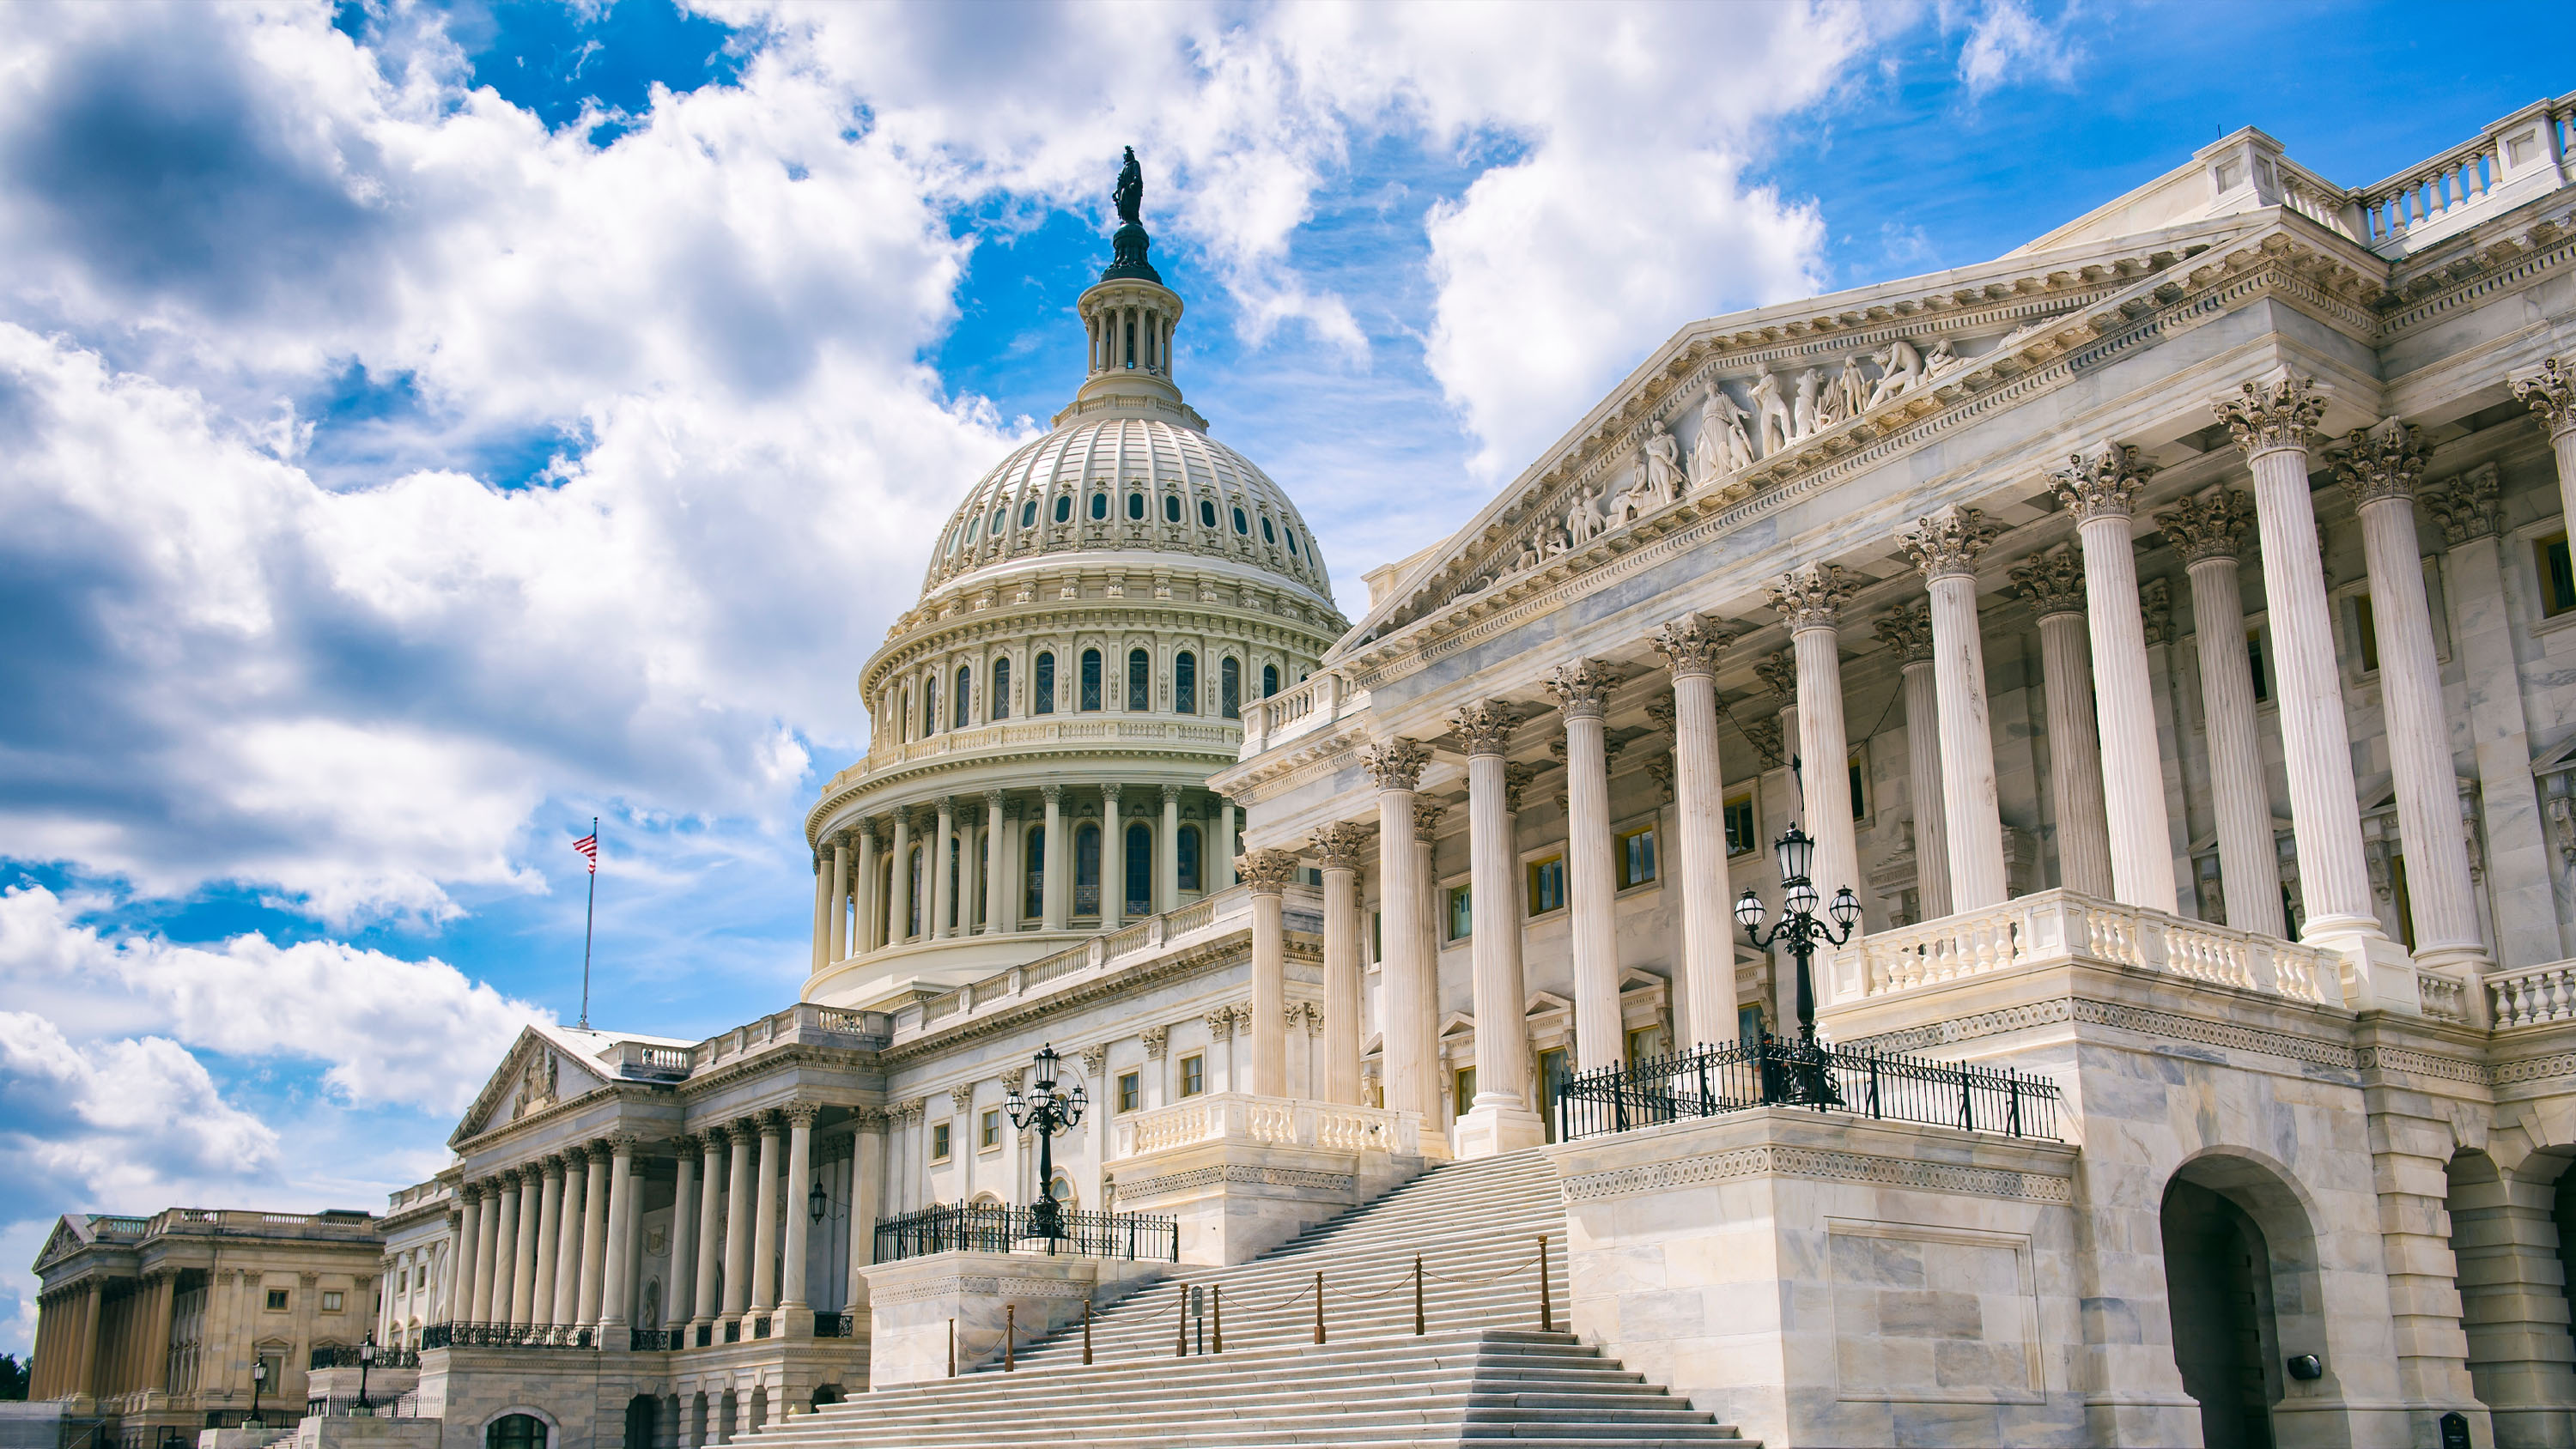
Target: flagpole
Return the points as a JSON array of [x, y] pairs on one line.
[[589, 913]]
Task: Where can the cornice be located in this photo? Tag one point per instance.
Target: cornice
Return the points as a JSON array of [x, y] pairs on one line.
[[2543, 248], [914, 644]]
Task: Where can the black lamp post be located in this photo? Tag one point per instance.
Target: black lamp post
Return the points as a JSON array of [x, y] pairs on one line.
[[817, 1202], [1046, 1112], [366, 1360], [1800, 932], [258, 1381]]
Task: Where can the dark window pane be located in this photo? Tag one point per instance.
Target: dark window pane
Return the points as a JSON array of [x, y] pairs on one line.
[[1090, 679], [1171, 508], [1140, 676], [1028, 513], [1063, 508], [1045, 690], [1267, 536], [1207, 514], [1033, 903], [1240, 526], [1139, 865], [1086, 870], [1269, 680], [1229, 688], [1185, 683], [1188, 851], [1100, 505], [963, 712], [1135, 505], [1001, 689]]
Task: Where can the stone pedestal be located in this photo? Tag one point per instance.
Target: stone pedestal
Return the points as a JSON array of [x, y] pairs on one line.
[[1498, 1124], [915, 1305], [1241, 1174]]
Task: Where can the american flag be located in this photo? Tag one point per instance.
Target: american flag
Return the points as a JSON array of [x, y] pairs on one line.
[[588, 845]]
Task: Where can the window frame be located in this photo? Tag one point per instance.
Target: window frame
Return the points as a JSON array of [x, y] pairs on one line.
[[1042, 690], [1000, 672], [1140, 681], [943, 1141], [1193, 1074], [1185, 682], [962, 705], [1091, 693], [1229, 675], [2548, 573], [1130, 1090], [1751, 798], [1532, 868], [1457, 913], [1621, 856], [988, 1130]]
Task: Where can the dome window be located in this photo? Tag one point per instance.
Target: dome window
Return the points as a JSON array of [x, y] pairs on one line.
[[1207, 514], [1229, 688], [1241, 526], [1042, 690], [973, 525], [1187, 849], [1269, 680], [1099, 505], [965, 698], [1267, 536], [1000, 516], [1001, 689], [1171, 508], [1090, 681], [1029, 513], [1292, 541], [1140, 673], [1135, 505], [1185, 683], [1063, 509]]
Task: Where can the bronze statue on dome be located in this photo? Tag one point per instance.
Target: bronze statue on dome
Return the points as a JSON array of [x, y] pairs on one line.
[[1130, 245]]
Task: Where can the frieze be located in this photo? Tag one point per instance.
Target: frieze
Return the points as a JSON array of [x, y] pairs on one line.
[[2421, 1064], [1236, 1174], [1739, 1163], [2534, 1069], [983, 1285]]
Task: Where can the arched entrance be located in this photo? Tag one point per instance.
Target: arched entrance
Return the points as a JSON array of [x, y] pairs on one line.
[[2510, 1232], [515, 1431], [641, 1411], [2218, 1282]]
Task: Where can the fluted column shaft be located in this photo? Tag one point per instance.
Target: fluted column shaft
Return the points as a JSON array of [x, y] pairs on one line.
[[680, 1303], [621, 1218], [471, 1289], [703, 1306], [1167, 853], [1342, 977], [1405, 997], [1502, 992], [2075, 754], [738, 1214], [523, 1272], [800, 1171], [2419, 751], [549, 1233], [1269, 871], [1692, 645], [1113, 861], [867, 1198], [2249, 863], [822, 916], [2133, 773], [997, 875], [868, 908], [594, 1236], [1591, 888], [568, 1227], [1945, 546], [1931, 808], [840, 911], [899, 889], [501, 1241], [943, 885], [1055, 862], [764, 1219], [1225, 845], [1825, 741]]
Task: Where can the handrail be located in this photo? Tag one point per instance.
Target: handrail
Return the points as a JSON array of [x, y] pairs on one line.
[[1766, 1071], [983, 1227]]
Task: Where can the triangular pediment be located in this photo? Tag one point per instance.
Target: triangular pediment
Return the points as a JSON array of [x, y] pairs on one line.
[[70, 1235], [540, 1070]]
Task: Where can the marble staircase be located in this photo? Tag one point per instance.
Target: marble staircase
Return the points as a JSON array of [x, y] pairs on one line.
[[1482, 1369]]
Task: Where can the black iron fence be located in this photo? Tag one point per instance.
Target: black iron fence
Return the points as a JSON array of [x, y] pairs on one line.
[[843, 1324], [654, 1340], [1771, 1072], [505, 1335], [345, 1355], [1001, 1228]]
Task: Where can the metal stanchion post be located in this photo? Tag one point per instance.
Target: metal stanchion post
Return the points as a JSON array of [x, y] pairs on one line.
[[1216, 1298], [1010, 1337], [1546, 1306], [952, 1348], [1086, 1330], [1417, 1295], [1319, 1305]]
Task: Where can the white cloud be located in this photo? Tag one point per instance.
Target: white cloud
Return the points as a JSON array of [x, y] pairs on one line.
[[2006, 42]]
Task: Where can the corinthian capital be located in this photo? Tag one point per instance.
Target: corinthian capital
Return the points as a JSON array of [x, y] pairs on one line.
[[2210, 526], [1692, 644], [1426, 819], [2379, 462], [1342, 845], [1486, 725], [1581, 688], [1397, 764], [1907, 629], [1948, 541], [1812, 597], [2469, 506], [2053, 581], [1516, 780], [1268, 872], [2280, 413], [1778, 672], [2106, 487], [2550, 390]]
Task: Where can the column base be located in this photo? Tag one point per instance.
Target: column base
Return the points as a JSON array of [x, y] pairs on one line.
[[1497, 1124], [2378, 975]]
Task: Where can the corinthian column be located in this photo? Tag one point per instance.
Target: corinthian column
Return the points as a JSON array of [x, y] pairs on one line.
[[506, 1239], [1426, 833], [2208, 531], [1396, 767], [1340, 846], [568, 1239], [822, 915], [738, 1213], [470, 1289], [800, 1171], [1907, 629], [2103, 495], [1056, 862], [2271, 422], [840, 907], [2550, 390], [943, 889], [549, 1231], [1268, 873], [702, 1303], [594, 1235], [868, 907], [764, 1219], [1113, 861], [1945, 547], [1581, 690], [1811, 600], [1501, 1119], [899, 893], [622, 1208], [2379, 471], [1167, 853], [2054, 584], [679, 1306], [1691, 646]]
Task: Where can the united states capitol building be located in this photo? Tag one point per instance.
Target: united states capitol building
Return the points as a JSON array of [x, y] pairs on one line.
[[2167, 633]]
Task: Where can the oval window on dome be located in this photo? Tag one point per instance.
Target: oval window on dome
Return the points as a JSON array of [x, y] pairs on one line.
[[1135, 505], [1100, 505], [1000, 515], [1029, 513], [1063, 509], [1240, 526], [1207, 514], [1266, 535], [1171, 509], [972, 525], [1292, 541]]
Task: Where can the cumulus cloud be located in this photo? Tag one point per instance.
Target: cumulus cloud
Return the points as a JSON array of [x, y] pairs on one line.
[[2007, 42]]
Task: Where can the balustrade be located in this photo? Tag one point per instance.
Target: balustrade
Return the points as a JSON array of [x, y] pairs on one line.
[[1272, 1122], [2533, 996]]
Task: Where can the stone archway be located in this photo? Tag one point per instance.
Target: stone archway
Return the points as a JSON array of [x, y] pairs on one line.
[[2511, 1232], [2226, 1336]]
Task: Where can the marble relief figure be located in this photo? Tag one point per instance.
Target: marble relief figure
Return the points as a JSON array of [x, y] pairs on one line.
[[1772, 423]]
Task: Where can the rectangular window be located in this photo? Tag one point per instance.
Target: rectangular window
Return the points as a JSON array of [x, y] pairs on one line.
[[1090, 679], [1193, 1076], [1546, 885], [2365, 628], [277, 1300], [1140, 672], [1462, 915], [988, 1129], [1131, 1091], [1033, 898], [1635, 855], [1553, 1068], [1748, 1020], [331, 1302], [2557, 576], [939, 1144], [1229, 688], [1644, 1042], [1001, 689], [1185, 684], [1044, 689], [1462, 1083], [1743, 831], [2254, 661], [1859, 781]]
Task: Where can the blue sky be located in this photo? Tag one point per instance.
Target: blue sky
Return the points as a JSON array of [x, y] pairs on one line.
[[424, 428]]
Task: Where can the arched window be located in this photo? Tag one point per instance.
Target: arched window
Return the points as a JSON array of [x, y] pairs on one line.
[[962, 712], [1269, 680], [1028, 513], [1185, 683], [1063, 507], [1140, 869], [903, 721], [914, 912], [999, 514], [1266, 535], [1207, 514], [1135, 505], [1240, 526], [1090, 680], [1001, 708], [930, 705], [1033, 898], [1188, 851], [1140, 681], [1100, 505], [516, 1431], [1171, 508], [1086, 869], [1292, 541], [1229, 687]]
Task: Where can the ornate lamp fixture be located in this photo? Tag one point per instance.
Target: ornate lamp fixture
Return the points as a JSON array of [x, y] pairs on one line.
[[1800, 933], [1046, 1112]]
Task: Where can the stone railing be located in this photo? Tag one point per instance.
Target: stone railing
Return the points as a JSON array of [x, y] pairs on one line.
[[2060, 925], [1270, 1122], [2517, 157], [1213, 733], [804, 1024], [1310, 705], [2532, 995]]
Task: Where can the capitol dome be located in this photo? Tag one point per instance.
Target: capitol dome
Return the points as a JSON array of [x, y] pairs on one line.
[[1094, 619]]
